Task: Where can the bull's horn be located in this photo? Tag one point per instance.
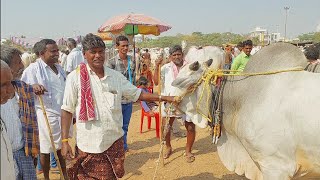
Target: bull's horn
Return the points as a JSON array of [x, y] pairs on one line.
[[209, 62], [194, 66]]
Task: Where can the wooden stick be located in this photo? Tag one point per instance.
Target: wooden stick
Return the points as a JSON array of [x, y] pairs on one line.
[[160, 116], [51, 138]]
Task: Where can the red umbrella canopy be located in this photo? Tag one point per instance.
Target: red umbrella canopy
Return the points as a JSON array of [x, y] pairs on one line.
[[132, 24]]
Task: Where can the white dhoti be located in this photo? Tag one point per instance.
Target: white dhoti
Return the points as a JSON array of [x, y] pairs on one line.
[[176, 114], [44, 137]]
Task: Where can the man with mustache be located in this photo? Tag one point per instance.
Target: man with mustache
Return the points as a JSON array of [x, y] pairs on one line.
[[7, 91], [47, 72], [19, 117], [93, 92]]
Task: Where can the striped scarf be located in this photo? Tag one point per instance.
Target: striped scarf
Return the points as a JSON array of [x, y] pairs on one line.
[[27, 115], [86, 105]]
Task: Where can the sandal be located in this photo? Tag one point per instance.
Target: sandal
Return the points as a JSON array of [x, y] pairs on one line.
[[167, 153], [39, 172], [189, 158]]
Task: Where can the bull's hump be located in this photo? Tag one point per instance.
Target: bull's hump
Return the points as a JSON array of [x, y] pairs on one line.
[[278, 56]]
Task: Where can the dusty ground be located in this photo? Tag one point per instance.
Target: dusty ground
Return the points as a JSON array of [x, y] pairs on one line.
[[144, 151]]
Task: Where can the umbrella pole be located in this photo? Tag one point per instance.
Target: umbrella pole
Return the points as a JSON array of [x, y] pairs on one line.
[[134, 45], [51, 138]]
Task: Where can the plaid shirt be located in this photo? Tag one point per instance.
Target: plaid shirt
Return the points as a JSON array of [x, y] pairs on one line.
[[117, 64], [28, 117]]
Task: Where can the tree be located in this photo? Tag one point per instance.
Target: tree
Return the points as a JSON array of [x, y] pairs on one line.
[[316, 37], [196, 34], [307, 36]]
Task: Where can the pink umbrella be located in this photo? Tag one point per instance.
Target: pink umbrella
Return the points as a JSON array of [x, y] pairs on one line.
[[132, 24]]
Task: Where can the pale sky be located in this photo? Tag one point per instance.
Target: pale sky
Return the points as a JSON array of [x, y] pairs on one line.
[[64, 18]]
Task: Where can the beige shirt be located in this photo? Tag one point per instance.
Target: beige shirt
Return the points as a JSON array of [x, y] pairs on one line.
[[98, 135]]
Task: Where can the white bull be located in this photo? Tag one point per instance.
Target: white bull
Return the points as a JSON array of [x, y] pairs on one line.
[[271, 123]]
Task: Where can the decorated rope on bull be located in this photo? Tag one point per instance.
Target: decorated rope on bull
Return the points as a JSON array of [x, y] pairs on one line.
[[270, 126]]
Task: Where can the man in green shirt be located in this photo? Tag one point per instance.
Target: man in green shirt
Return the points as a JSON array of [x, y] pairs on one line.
[[240, 62]]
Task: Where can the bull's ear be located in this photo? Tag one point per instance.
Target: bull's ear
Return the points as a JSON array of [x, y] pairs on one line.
[[209, 62], [194, 66]]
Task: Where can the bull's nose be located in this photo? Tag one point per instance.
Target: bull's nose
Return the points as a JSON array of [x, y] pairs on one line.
[[209, 62]]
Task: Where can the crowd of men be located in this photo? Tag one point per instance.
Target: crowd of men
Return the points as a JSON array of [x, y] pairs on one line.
[[96, 94], [98, 97]]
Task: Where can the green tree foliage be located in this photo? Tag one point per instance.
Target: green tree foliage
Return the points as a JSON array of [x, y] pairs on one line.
[[316, 37], [196, 39], [313, 36]]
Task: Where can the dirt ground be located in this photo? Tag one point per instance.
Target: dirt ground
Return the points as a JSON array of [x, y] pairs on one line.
[[140, 163]]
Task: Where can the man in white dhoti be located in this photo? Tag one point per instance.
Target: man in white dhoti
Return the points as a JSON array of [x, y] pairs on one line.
[[47, 72]]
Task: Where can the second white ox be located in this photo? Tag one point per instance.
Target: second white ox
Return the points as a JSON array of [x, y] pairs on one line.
[[271, 123]]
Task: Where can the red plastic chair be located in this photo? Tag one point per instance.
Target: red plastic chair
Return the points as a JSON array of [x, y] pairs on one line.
[[149, 116]]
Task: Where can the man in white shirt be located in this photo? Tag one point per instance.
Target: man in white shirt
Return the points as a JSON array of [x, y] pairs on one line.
[[63, 58], [47, 72], [93, 92], [169, 73], [75, 56], [7, 92]]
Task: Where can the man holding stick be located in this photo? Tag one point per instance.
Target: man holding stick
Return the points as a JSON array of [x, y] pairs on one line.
[[93, 92], [47, 72]]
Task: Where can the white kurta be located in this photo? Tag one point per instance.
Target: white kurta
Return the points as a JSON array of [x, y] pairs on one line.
[[55, 84], [74, 59], [167, 77], [98, 135]]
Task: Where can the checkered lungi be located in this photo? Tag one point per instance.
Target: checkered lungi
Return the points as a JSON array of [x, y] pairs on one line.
[[108, 165], [24, 166]]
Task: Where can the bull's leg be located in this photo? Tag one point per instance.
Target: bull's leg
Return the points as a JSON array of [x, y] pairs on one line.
[[236, 158], [277, 168], [275, 176]]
